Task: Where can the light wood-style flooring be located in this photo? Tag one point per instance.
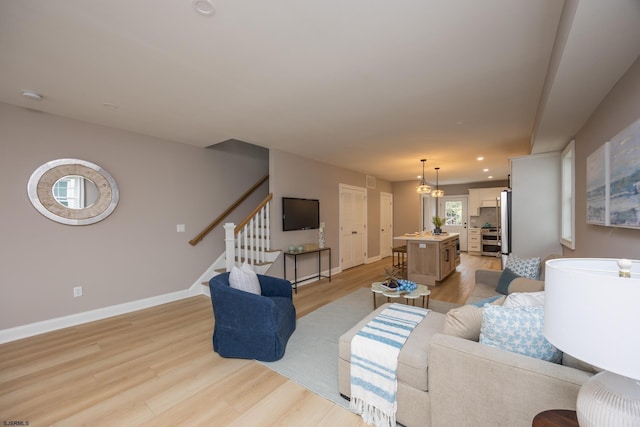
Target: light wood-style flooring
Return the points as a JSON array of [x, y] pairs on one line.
[[156, 367]]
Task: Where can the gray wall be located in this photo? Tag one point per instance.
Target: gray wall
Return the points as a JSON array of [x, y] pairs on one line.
[[136, 252], [620, 108], [294, 176], [406, 206]]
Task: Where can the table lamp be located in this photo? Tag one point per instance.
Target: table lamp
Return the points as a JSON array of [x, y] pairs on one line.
[[592, 312]]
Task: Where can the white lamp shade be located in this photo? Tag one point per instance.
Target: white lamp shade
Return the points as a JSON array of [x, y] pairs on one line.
[[593, 314]]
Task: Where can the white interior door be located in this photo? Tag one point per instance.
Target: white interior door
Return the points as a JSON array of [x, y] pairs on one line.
[[386, 224], [353, 226], [454, 210]]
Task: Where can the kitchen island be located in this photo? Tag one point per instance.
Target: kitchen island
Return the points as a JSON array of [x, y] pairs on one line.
[[431, 258]]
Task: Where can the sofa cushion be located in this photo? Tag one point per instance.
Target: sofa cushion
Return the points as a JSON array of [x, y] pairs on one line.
[[518, 330], [244, 279], [464, 322], [414, 356], [524, 299], [525, 267], [505, 280]]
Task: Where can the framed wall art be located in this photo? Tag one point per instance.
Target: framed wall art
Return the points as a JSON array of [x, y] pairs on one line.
[[598, 186], [624, 178]]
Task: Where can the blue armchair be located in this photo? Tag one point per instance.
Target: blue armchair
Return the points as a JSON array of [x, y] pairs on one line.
[[250, 326]]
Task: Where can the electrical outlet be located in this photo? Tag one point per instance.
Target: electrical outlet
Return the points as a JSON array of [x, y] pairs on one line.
[[77, 291]]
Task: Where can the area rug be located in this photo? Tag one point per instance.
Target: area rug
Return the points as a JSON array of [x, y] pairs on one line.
[[311, 357]]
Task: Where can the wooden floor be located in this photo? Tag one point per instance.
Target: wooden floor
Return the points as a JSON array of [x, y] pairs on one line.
[[156, 367]]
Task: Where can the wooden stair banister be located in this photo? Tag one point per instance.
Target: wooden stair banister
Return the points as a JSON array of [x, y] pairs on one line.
[[226, 213], [253, 213]]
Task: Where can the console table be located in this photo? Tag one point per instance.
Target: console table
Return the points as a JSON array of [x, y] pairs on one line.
[[295, 256]]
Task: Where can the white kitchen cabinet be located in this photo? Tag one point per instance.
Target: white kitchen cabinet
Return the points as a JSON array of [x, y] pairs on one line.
[[474, 246], [483, 198]]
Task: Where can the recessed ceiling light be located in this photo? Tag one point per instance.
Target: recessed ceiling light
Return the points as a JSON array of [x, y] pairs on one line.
[[485, 170], [480, 158], [31, 94], [490, 177], [204, 7]]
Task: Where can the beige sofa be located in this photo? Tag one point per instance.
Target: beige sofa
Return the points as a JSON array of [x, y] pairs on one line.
[[487, 281], [446, 381]]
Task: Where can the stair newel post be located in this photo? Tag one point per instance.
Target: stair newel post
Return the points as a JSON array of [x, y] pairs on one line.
[[229, 241]]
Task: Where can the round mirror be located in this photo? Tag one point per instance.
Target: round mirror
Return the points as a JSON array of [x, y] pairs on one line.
[[73, 192]]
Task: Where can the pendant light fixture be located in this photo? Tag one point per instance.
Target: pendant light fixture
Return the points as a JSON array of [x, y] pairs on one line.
[[437, 192], [423, 188]]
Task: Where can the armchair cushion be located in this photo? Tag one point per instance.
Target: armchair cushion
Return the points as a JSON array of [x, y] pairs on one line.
[[244, 279], [251, 326]]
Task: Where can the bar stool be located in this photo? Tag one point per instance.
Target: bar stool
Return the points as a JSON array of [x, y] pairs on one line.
[[400, 257]]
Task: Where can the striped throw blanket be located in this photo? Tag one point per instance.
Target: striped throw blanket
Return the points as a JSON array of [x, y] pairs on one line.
[[374, 361]]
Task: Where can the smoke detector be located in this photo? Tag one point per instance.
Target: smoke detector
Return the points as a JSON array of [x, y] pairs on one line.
[[204, 7]]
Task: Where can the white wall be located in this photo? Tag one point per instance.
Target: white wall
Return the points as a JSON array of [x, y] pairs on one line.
[[535, 182]]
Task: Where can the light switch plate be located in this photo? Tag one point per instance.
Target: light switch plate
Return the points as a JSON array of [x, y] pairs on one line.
[[180, 228]]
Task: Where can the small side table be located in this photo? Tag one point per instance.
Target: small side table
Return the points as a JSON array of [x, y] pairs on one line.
[[421, 291], [556, 418]]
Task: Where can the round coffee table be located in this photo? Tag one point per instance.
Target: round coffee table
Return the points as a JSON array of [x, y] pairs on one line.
[[421, 291]]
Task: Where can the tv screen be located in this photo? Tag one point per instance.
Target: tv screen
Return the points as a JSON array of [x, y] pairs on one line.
[[300, 214]]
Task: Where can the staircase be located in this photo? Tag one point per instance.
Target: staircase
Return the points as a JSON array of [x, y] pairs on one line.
[[249, 242]]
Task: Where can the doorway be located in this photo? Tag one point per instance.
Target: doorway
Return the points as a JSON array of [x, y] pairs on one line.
[[353, 226], [454, 211]]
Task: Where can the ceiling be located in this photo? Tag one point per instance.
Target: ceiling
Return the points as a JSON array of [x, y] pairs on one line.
[[368, 85]]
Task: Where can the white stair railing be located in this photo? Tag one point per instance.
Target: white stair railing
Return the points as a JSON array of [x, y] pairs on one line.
[[249, 242]]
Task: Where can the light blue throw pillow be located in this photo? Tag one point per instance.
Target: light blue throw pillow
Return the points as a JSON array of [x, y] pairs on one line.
[[489, 300], [525, 267], [518, 330]]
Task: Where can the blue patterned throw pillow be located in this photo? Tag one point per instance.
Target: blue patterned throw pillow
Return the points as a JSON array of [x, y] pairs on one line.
[[505, 280], [518, 330], [525, 267]]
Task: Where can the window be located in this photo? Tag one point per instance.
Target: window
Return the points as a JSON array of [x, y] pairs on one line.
[[453, 212], [69, 191], [568, 196]]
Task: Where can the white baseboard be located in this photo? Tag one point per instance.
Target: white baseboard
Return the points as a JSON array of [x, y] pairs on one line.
[[37, 328]]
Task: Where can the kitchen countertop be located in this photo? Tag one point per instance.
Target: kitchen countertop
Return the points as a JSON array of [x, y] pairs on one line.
[[428, 237]]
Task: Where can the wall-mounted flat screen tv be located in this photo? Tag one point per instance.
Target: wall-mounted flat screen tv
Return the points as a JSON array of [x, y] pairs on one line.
[[300, 214]]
